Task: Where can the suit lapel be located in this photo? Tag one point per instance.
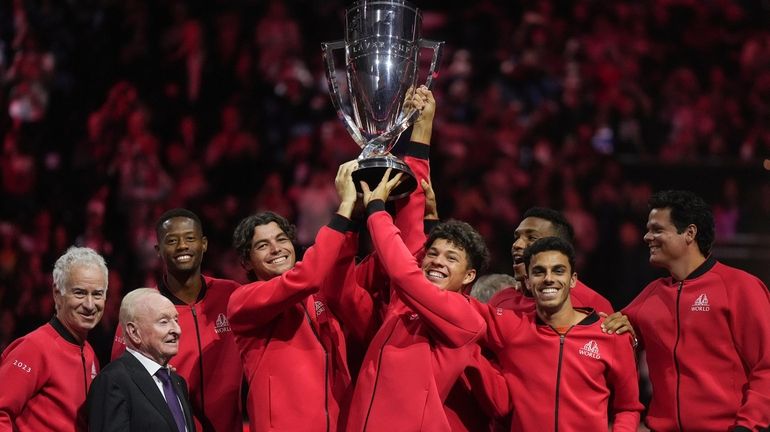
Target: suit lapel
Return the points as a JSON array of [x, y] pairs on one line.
[[147, 385]]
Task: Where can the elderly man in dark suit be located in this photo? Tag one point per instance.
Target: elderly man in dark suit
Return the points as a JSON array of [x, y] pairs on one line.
[[137, 391]]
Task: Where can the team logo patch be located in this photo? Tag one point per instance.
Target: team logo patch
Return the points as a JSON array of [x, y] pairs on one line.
[[590, 349], [413, 317], [701, 304], [120, 340], [320, 307], [222, 325]]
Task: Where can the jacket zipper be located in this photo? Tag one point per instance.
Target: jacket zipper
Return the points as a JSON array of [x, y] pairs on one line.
[[562, 337], [676, 359], [326, 365], [83, 361], [377, 376], [200, 359]]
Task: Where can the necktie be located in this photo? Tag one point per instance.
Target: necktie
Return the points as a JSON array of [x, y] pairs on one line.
[[171, 398]]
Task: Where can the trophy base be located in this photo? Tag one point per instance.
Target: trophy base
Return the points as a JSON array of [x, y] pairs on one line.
[[371, 170]]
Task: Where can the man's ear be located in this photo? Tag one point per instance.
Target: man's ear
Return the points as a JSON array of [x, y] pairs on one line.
[[157, 250], [470, 276], [573, 280], [691, 233], [205, 242], [132, 332]]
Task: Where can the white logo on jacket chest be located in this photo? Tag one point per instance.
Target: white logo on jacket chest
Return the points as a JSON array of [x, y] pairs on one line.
[[222, 325], [590, 349], [319, 307], [701, 304]]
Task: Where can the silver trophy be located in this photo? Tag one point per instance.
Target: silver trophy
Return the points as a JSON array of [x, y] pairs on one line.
[[382, 44]]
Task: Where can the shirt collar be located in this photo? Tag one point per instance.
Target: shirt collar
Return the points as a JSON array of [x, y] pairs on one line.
[[148, 363]]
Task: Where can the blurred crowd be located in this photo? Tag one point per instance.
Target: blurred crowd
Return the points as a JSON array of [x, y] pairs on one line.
[[115, 111]]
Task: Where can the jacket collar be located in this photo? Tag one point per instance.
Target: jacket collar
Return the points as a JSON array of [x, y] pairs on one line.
[[701, 270], [63, 332], [163, 288], [588, 320]]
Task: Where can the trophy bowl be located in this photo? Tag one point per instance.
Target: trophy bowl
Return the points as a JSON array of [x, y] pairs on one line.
[[382, 45]]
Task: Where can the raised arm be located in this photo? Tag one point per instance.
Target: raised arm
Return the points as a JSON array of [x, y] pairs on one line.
[[254, 305]]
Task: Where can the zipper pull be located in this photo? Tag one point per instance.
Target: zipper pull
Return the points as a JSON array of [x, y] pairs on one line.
[[561, 339], [192, 308]]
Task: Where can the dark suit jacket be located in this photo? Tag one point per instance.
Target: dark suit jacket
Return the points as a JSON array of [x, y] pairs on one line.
[[124, 397]]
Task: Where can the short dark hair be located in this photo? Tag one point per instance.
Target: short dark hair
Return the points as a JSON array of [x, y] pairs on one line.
[[244, 232], [688, 209], [546, 244], [464, 236], [174, 213], [561, 226]]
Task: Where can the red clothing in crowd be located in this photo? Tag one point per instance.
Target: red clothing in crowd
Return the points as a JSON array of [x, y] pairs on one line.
[[292, 347], [422, 347], [208, 358], [562, 382], [707, 341], [44, 380], [581, 296]]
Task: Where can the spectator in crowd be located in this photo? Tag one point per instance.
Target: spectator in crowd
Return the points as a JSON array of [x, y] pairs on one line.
[[138, 391], [704, 320], [47, 373]]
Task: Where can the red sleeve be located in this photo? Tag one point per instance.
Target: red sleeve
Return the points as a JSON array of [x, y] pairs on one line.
[[622, 380], [23, 371], [256, 304], [501, 324], [118, 344], [488, 385], [411, 212], [351, 303], [449, 314], [750, 304]]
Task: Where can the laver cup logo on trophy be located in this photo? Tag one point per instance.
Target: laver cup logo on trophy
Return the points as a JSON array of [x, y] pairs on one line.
[[382, 44]]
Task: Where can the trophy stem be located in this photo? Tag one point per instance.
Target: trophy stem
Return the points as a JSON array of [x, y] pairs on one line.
[[371, 170]]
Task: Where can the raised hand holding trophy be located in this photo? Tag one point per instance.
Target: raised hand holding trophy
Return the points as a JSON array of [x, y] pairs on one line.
[[382, 44]]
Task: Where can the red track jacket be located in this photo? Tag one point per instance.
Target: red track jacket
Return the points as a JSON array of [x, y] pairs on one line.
[[423, 346], [707, 340], [44, 379], [208, 358], [292, 347], [562, 383]]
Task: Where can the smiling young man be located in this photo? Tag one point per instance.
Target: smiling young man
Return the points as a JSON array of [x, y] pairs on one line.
[[539, 222], [137, 392], [292, 346], [46, 374], [428, 329], [705, 328], [208, 357], [562, 372]]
